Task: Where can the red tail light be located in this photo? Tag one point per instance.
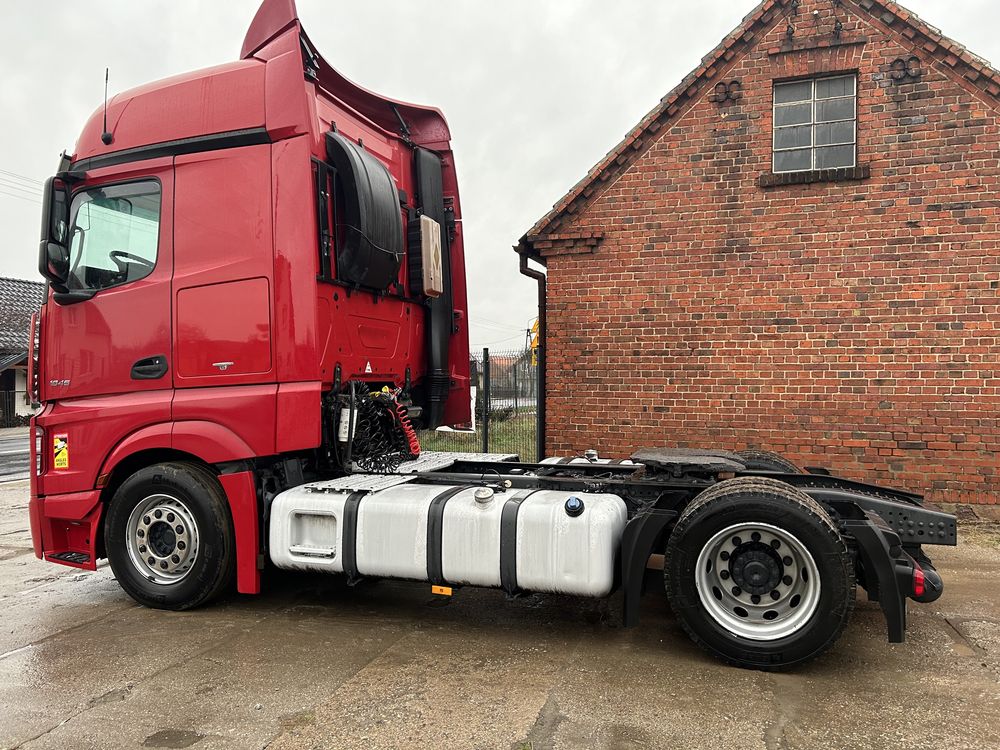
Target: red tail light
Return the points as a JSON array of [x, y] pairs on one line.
[[918, 581]]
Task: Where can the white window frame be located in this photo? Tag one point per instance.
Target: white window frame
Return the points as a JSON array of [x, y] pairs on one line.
[[813, 124]]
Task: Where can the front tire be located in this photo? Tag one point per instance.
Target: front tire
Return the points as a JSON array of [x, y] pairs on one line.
[[758, 574], [169, 536]]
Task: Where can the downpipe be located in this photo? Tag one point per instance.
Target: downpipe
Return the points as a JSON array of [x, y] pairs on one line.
[[539, 277]]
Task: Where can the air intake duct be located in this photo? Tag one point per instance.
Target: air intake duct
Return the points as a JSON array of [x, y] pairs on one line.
[[430, 194]]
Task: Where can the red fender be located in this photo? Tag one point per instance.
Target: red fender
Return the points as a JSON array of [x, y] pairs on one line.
[[209, 441], [147, 438], [212, 443]]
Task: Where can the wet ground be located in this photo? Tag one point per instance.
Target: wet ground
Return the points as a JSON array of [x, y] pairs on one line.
[[14, 453], [313, 664]]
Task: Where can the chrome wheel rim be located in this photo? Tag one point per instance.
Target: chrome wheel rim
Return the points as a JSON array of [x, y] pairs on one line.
[[162, 539], [758, 581]]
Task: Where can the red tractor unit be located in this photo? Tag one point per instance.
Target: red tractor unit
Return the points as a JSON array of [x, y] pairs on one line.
[[256, 294]]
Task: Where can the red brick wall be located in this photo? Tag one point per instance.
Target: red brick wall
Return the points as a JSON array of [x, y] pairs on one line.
[[847, 324]]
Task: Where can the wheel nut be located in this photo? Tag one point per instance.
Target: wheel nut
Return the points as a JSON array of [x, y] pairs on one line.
[[755, 599], [150, 560], [786, 560], [145, 520], [723, 574], [170, 517], [179, 529], [163, 564], [140, 533], [181, 545], [724, 555], [787, 580], [755, 536], [158, 514], [737, 591], [775, 595], [737, 541], [175, 559], [142, 548], [775, 543]]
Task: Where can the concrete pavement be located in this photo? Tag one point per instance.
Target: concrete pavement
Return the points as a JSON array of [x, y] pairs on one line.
[[314, 664]]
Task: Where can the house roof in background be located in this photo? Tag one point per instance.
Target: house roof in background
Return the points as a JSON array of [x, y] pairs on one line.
[[19, 300], [948, 53]]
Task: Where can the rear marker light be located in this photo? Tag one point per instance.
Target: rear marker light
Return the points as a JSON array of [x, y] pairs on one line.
[[918, 581]]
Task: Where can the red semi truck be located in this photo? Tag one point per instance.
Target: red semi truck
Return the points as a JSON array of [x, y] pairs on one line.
[[256, 291]]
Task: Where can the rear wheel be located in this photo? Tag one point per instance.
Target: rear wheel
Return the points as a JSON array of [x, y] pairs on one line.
[[757, 460], [169, 536], [758, 574]]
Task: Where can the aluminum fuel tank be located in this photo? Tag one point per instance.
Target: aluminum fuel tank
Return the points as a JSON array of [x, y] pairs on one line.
[[397, 527]]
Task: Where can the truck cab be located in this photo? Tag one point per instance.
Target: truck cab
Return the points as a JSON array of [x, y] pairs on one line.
[[225, 251]]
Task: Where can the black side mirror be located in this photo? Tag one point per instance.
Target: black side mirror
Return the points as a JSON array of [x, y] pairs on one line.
[[53, 251]]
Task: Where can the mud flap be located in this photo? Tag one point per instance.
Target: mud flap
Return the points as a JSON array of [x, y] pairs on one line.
[[879, 549], [638, 542]]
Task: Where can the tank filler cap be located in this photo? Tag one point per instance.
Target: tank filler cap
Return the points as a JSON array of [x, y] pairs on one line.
[[483, 495], [573, 506]]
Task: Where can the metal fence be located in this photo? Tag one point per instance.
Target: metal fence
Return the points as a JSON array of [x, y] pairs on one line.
[[14, 409], [505, 384]]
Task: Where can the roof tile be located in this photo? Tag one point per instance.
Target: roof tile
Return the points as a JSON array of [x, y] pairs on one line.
[[19, 300]]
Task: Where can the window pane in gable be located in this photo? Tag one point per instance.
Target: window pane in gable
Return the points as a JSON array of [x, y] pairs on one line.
[[830, 87], [800, 91], [835, 109], [796, 114], [793, 137], [836, 132], [834, 156], [792, 161]]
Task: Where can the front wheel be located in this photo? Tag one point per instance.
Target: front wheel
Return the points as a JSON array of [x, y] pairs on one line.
[[169, 536], [758, 574]]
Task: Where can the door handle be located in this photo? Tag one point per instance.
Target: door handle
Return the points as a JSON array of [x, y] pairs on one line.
[[150, 368]]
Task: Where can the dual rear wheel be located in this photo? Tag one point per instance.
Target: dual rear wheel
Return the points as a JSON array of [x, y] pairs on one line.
[[758, 574]]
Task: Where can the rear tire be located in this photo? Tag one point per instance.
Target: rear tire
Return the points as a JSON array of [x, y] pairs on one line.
[[757, 460], [169, 536], [758, 574]]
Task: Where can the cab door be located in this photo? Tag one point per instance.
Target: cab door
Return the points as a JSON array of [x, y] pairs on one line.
[[111, 334]]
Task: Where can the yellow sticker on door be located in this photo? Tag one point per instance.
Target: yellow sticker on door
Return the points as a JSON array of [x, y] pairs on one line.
[[60, 451]]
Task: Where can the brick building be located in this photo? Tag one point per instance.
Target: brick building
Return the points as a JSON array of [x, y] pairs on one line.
[[798, 249]]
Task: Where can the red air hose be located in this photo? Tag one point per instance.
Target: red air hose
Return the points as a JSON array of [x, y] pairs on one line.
[[411, 434]]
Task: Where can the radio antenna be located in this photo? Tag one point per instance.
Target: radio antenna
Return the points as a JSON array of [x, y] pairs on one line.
[[106, 137]]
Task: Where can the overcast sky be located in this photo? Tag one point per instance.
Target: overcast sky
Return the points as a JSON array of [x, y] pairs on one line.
[[536, 92]]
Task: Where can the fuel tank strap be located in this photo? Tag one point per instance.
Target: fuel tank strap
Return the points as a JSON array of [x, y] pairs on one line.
[[350, 536], [508, 540], [435, 527]]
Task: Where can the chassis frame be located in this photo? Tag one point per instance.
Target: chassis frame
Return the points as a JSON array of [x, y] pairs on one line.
[[884, 528]]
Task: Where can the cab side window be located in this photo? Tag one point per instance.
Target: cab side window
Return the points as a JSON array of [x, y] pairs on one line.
[[114, 234]]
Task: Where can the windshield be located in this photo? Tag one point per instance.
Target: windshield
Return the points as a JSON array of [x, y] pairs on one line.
[[114, 234]]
